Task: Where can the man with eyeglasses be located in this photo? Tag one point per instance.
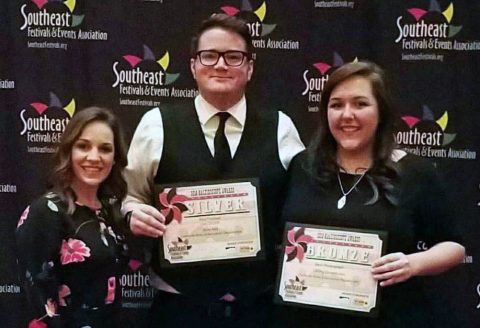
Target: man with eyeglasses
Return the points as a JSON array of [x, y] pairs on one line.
[[218, 136]]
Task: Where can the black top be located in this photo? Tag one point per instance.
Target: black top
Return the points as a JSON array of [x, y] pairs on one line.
[[70, 263], [422, 215]]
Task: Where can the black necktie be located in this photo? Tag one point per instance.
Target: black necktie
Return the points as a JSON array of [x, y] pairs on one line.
[[222, 150]]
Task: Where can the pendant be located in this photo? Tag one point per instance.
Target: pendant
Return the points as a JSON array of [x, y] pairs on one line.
[[341, 202]]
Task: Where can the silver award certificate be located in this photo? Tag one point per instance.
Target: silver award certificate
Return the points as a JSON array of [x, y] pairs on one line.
[[330, 268], [210, 222]]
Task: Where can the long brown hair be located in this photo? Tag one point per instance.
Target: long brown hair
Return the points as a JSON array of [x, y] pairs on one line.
[[322, 152], [114, 186]]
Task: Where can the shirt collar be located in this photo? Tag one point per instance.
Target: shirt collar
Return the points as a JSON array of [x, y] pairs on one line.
[[206, 111]]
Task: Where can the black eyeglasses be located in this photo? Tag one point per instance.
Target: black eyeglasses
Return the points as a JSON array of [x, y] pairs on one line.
[[230, 57]]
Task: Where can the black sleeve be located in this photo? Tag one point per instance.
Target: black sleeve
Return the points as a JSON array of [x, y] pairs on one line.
[[436, 221], [39, 241]]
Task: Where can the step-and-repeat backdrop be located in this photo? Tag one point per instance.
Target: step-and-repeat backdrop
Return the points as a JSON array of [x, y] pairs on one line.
[[57, 57]]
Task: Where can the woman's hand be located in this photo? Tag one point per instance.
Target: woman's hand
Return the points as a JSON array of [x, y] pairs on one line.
[[392, 269], [398, 267], [146, 220]]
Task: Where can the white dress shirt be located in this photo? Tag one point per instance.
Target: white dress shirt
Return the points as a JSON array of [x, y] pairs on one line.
[[146, 147]]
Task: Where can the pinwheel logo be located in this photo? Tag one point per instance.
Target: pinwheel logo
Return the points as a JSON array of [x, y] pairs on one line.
[[431, 24], [40, 126], [315, 83], [135, 73], [50, 13], [172, 205], [254, 18], [425, 131], [296, 246], [315, 79]]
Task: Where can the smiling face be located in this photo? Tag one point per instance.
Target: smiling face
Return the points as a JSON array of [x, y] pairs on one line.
[[220, 84], [92, 156], [353, 116]]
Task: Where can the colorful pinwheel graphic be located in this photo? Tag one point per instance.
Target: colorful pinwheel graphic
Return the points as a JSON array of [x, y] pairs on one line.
[[418, 13], [260, 12], [297, 244], [427, 116], [70, 4], [54, 102], [148, 55], [338, 61], [172, 206]]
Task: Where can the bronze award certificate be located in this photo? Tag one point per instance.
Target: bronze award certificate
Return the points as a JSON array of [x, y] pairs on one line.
[[330, 268], [210, 222]]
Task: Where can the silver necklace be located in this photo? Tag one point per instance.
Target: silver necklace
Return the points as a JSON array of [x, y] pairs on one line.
[[343, 200]]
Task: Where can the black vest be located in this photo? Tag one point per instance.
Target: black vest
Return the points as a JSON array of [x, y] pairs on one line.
[[186, 158]]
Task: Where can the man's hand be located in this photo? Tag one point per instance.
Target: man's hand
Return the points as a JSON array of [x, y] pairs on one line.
[[146, 221]]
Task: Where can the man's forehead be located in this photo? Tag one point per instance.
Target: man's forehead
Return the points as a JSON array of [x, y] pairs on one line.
[[228, 36]]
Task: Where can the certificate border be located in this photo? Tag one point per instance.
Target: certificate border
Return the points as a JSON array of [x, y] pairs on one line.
[[373, 313], [164, 264]]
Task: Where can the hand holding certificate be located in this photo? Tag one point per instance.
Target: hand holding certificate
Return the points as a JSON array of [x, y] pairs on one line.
[[330, 268], [215, 221]]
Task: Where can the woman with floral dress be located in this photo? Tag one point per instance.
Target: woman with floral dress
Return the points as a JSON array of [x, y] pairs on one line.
[[70, 242]]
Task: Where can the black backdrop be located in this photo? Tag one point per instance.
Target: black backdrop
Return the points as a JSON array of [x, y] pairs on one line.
[[57, 57]]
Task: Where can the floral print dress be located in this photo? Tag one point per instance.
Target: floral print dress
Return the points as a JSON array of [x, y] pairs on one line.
[[70, 264]]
